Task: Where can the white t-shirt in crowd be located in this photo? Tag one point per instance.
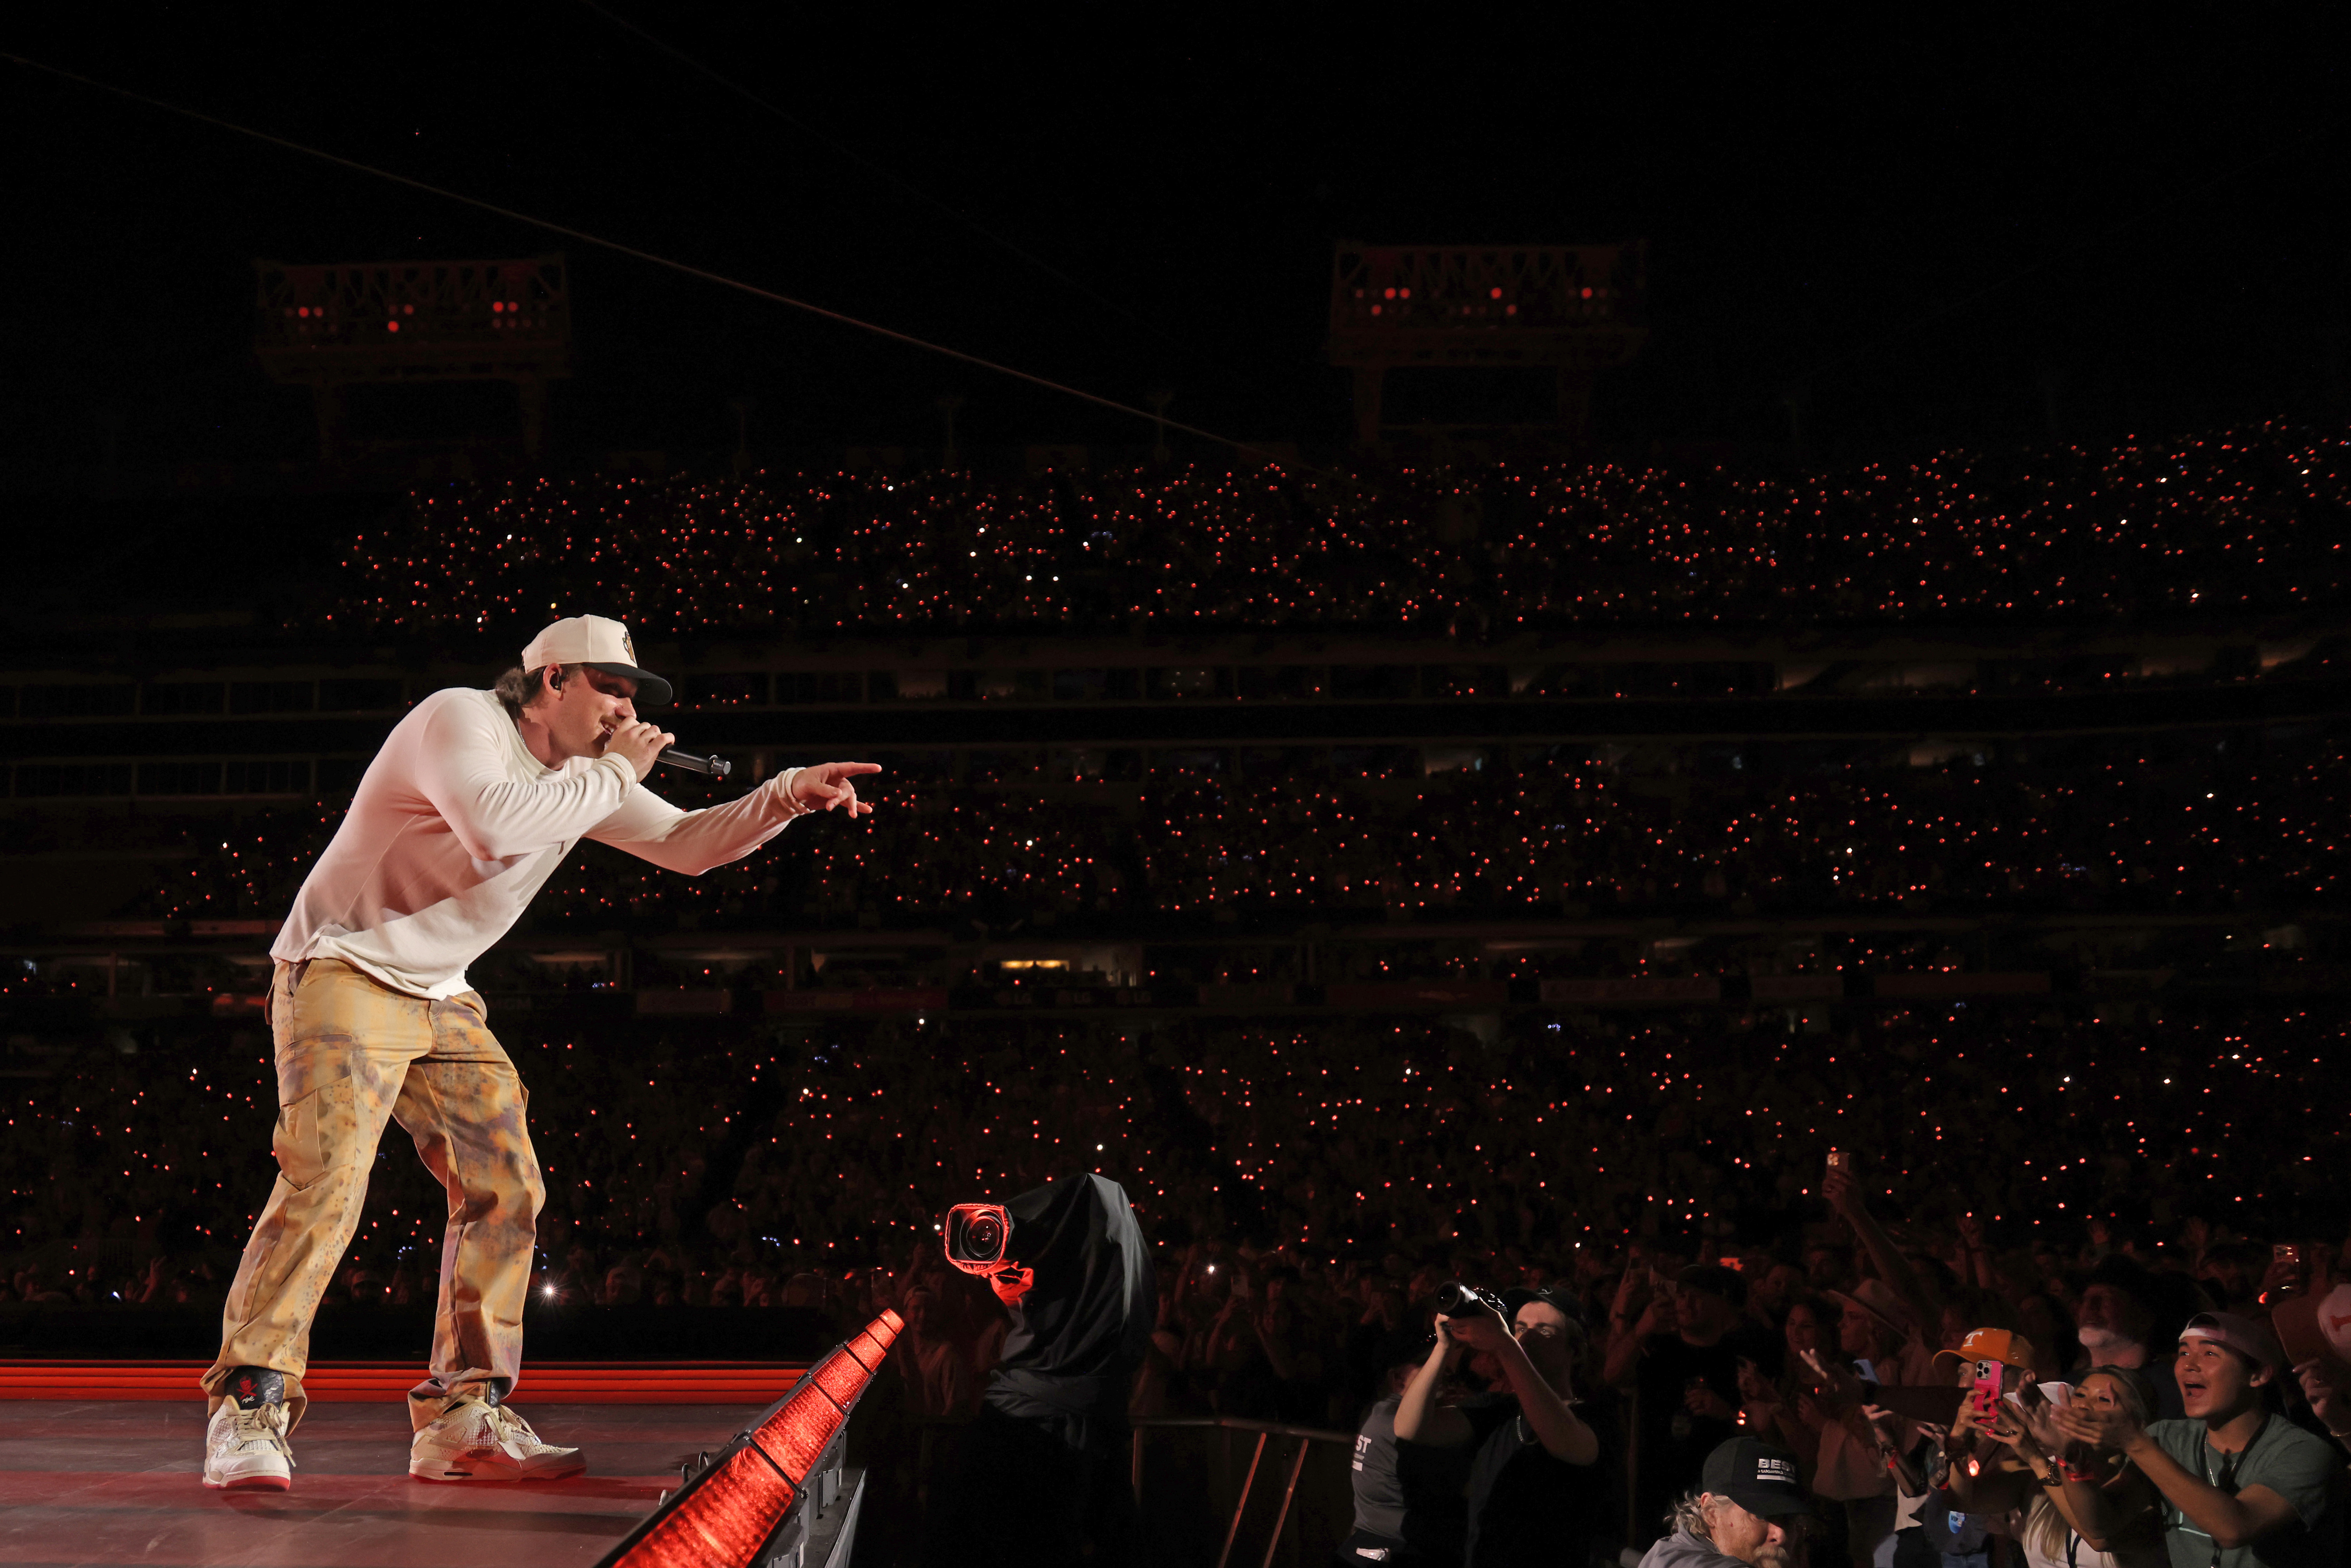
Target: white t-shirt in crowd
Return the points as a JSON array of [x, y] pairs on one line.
[[456, 825]]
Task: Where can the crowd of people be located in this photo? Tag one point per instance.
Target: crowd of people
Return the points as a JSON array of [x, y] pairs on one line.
[[1741, 1225], [839, 1146], [1525, 831], [2225, 522], [1662, 1180]]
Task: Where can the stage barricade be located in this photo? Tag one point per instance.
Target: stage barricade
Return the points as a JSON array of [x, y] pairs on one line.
[[779, 1494], [1262, 1492]]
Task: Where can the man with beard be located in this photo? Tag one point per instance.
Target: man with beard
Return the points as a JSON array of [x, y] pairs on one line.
[[2244, 1487], [1740, 1515]]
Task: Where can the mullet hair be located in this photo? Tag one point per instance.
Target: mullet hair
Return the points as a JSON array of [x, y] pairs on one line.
[[1689, 1512], [519, 688]]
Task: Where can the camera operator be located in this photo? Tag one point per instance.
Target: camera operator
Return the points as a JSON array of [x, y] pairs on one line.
[[1534, 1493], [1408, 1496], [1681, 1358], [1741, 1514]]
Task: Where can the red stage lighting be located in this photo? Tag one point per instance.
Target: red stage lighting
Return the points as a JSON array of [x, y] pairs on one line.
[[795, 1435], [731, 1512]]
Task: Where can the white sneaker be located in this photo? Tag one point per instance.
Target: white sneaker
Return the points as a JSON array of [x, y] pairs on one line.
[[477, 1441], [245, 1448]]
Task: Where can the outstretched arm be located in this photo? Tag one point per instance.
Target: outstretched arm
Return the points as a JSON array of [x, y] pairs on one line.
[[692, 841], [1844, 1192]]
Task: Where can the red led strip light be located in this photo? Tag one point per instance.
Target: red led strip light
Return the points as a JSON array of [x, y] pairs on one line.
[[728, 1512], [726, 1518], [840, 1376], [795, 1435]]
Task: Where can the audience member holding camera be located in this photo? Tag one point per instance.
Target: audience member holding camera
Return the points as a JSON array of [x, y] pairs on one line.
[[1535, 1496]]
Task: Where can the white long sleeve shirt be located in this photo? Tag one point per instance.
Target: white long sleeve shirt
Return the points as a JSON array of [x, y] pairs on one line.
[[456, 825]]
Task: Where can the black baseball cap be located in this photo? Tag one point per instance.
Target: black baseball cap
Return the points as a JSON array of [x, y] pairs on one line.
[[1755, 1476], [1716, 1280], [1518, 1296]]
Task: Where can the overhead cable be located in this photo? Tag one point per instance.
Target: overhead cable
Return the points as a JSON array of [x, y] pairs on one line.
[[651, 257]]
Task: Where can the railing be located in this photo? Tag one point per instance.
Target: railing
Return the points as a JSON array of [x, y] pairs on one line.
[[1307, 1436]]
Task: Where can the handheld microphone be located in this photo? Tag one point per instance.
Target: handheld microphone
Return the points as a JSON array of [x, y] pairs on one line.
[[713, 766]]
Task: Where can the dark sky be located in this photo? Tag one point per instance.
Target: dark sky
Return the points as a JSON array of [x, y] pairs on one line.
[[1962, 230]]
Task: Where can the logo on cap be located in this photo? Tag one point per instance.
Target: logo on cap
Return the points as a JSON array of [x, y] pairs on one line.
[[1771, 1469], [627, 649]]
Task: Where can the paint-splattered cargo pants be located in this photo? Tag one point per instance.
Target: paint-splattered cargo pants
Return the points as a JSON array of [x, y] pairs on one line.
[[351, 1053]]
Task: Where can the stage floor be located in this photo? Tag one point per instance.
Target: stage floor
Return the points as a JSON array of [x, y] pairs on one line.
[[106, 1483]]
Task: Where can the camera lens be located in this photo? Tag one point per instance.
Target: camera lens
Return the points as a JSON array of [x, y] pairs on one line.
[[984, 1235]]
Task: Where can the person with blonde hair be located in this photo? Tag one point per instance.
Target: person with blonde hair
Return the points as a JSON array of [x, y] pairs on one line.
[[2062, 1528]]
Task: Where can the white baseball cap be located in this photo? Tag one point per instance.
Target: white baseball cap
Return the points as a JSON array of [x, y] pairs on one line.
[[601, 645]]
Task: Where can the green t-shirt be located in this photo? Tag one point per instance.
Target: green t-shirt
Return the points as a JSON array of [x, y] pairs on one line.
[[2299, 1467]]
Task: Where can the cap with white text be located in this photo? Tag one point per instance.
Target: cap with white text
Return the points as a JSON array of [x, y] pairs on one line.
[[1755, 1476], [601, 645]]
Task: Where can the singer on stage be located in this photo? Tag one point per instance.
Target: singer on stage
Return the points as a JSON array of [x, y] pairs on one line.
[[473, 800]]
